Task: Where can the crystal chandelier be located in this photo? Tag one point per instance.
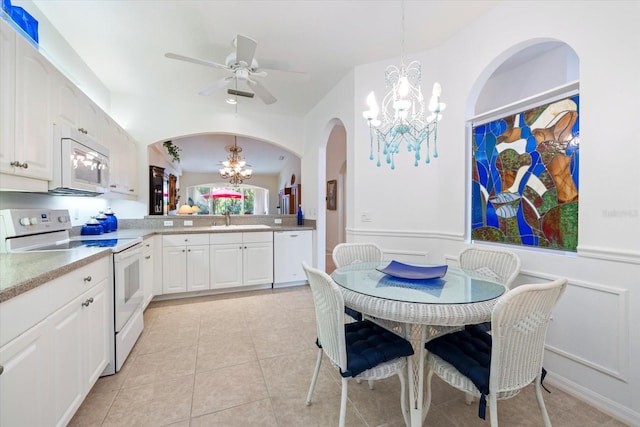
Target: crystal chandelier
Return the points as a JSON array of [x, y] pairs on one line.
[[235, 167], [404, 114]]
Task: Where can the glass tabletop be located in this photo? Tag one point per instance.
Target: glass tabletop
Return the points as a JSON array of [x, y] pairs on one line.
[[456, 287]]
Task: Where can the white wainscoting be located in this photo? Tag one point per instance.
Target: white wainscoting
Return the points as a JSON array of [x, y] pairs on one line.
[[590, 325]]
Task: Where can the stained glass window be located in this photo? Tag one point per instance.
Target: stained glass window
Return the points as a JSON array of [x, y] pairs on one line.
[[524, 181]]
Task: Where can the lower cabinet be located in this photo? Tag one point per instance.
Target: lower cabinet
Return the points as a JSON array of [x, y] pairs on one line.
[[148, 270], [241, 259], [185, 263], [80, 350], [48, 368], [26, 390]]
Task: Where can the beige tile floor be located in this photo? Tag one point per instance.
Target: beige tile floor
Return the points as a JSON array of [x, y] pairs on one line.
[[246, 359]]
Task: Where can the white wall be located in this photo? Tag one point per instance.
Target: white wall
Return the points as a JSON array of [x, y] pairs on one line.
[[593, 340]]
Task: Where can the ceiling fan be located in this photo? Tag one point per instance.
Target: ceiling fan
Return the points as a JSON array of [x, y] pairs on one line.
[[243, 68]]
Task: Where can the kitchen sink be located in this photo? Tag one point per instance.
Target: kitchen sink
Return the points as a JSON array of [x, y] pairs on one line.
[[240, 227]]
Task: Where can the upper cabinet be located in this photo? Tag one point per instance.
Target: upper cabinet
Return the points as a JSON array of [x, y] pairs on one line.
[[74, 109], [33, 96], [27, 79], [123, 157]]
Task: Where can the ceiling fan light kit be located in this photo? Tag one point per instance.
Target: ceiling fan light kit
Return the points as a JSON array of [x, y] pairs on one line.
[[243, 68]]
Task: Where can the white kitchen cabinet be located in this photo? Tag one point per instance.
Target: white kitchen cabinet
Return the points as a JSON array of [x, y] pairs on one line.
[[148, 270], [26, 145], [226, 260], [185, 263], [75, 109], [290, 249], [7, 95], [26, 389], [241, 259], [123, 156], [59, 348], [79, 349], [257, 258]]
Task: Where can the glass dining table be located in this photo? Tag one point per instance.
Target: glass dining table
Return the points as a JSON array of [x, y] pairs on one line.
[[419, 310]]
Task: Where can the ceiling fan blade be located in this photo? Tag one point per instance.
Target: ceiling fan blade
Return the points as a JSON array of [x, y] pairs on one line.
[[214, 87], [245, 49], [195, 60], [262, 92]]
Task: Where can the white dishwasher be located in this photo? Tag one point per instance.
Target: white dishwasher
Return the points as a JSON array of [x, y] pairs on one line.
[[290, 248]]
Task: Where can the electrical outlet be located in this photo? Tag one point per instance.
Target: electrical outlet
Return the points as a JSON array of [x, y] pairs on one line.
[[277, 221], [168, 223], [188, 222]]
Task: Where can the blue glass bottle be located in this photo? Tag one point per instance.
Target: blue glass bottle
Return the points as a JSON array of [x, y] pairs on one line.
[[300, 217]]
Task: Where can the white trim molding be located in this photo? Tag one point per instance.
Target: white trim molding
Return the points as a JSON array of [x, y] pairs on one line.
[[458, 237], [609, 254]]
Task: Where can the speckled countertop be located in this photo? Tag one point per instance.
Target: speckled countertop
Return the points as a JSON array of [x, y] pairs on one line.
[[21, 272]]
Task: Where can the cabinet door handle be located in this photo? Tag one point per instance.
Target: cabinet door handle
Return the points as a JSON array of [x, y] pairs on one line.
[[82, 130], [132, 189], [293, 235], [245, 247], [183, 250], [112, 186], [188, 250], [87, 279], [17, 164], [147, 257], [1, 369]]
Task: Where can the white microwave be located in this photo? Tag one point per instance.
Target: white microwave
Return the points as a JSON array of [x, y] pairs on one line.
[[80, 165]]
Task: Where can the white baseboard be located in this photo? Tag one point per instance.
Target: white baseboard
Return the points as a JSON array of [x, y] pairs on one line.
[[601, 403]]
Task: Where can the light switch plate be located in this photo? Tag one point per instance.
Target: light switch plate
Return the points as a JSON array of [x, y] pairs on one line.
[[277, 221], [168, 223]]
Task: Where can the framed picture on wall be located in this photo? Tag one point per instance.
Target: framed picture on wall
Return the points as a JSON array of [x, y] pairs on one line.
[[331, 194]]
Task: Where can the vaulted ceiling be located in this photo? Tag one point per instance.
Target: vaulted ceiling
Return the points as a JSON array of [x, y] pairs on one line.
[[124, 42]]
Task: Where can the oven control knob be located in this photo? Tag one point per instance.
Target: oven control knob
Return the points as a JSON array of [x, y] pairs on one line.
[[34, 221], [63, 219], [25, 221]]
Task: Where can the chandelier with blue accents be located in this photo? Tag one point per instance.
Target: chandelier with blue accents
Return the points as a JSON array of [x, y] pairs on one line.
[[404, 114]]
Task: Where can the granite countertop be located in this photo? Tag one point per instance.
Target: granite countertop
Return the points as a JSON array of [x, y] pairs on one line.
[[24, 271]]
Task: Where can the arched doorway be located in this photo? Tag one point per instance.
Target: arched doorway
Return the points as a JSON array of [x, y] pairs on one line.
[[336, 170]]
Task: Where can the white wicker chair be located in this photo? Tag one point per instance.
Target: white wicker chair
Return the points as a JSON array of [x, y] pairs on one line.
[[329, 307], [351, 253], [502, 266], [520, 319]]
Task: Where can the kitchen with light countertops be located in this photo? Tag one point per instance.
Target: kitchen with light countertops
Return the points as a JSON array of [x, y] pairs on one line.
[[161, 185]]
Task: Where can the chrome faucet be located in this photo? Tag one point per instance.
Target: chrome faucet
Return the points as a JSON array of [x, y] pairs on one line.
[[227, 218]]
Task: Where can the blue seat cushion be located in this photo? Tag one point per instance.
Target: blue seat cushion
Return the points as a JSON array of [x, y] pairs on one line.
[[369, 345], [469, 351], [356, 315]]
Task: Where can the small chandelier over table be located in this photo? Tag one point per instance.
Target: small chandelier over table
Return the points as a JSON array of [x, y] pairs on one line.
[[235, 167], [404, 114]]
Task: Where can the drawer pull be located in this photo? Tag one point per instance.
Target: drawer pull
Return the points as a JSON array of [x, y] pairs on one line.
[[87, 302], [87, 279]]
